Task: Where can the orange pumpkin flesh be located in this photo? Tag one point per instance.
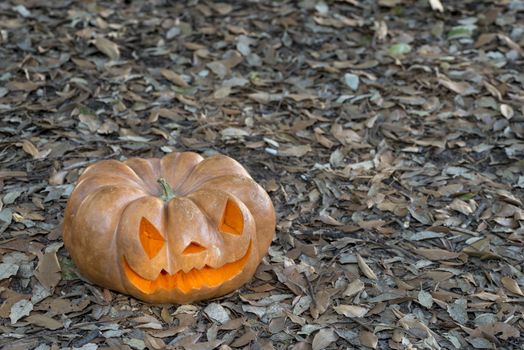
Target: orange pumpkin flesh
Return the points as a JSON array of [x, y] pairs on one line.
[[151, 239], [186, 281], [203, 239]]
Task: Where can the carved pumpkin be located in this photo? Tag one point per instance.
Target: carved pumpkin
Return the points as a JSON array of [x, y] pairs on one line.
[[171, 230]]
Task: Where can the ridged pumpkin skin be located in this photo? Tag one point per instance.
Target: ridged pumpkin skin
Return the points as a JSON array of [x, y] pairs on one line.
[[205, 242]]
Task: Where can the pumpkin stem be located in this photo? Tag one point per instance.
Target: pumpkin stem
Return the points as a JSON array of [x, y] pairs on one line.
[[167, 190]]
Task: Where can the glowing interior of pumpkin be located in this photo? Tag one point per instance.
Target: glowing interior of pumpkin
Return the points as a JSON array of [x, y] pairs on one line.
[[152, 241], [231, 222], [186, 281]]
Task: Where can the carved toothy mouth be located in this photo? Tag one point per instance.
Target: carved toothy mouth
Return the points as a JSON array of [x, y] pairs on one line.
[[186, 281]]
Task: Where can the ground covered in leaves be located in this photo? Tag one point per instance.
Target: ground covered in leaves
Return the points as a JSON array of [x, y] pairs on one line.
[[389, 135]]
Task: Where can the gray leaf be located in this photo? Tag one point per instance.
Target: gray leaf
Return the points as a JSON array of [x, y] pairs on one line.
[[7, 270], [217, 313], [20, 309], [352, 81], [457, 311]]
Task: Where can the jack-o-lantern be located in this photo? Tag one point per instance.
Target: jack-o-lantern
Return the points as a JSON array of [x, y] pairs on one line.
[[172, 230]]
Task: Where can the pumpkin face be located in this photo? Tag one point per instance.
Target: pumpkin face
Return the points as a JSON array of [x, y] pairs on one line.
[[205, 240]]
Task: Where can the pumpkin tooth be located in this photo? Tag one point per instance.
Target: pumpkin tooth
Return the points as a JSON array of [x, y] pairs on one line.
[[163, 279]]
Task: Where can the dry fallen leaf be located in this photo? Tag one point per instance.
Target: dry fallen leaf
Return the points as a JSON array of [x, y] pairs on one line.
[[323, 338], [20, 309], [351, 310], [457, 311], [48, 270], [44, 321], [511, 285], [366, 270], [354, 288], [436, 5], [7, 270], [425, 299], [174, 77], [506, 111], [462, 88], [29, 148], [500, 329], [295, 151], [368, 339], [107, 47]]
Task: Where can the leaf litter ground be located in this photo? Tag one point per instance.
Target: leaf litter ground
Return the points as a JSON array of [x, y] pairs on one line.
[[389, 135]]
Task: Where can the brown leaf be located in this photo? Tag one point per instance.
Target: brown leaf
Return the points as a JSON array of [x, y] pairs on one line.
[[351, 310], [174, 78], [32, 150], [484, 39], [295, 151], [44, 321], [90, 120], [107, 47], [323, 300], [222, 93], [345, 136], [462, 88], [437, 254], [153, 343], [48, 270], [368, 339], [511, 285], [481, 247], [324, 338], [462, 207], [244, 339], [29, 148], [366, 270], [5, 174], [354, 288], [495, 329], [23, 85], [222, 8]]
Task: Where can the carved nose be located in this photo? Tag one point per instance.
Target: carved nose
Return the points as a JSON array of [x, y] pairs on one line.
[[193, 248]]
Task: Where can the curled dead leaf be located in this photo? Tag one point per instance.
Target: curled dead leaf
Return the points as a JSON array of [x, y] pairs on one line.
[[462, 88], [351, 310], [174, 77], [436, 5], [354, 288], [368, 339], [511, 285], [107, 47], [366, 270], [323, 338], [48, 270]]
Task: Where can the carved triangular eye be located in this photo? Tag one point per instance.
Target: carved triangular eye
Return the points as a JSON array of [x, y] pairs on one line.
[[232, 219], [152, 241]]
